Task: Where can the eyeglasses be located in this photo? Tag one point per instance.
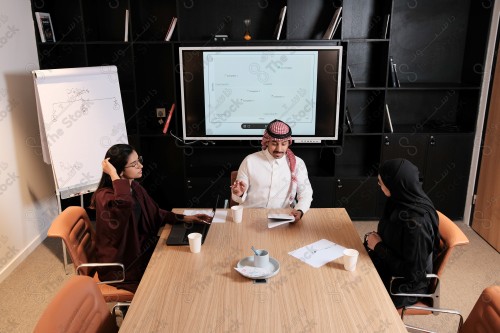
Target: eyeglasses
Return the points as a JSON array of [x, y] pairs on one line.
[[135, 163]]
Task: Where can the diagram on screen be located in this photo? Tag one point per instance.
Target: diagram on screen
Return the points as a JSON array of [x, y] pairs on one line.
[[245, 88]]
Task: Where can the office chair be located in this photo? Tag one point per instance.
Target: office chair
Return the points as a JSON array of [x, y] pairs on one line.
[[484, 317], [232, 203], [451, 236], [74, 228], [77, 307]]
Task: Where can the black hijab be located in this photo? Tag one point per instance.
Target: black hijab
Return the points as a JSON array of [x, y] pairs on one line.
[[400, 176]]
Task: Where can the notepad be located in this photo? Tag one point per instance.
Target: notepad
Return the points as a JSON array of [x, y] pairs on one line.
[[220, 215], [274, 220], [318, 253]]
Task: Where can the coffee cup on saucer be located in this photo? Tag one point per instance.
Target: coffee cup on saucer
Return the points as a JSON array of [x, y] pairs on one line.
[[261, 258]]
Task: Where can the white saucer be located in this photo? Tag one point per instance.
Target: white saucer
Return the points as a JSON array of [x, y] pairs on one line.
[[274, 267]]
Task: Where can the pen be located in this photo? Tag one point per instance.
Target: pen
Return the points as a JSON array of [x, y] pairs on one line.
[[325, 248]]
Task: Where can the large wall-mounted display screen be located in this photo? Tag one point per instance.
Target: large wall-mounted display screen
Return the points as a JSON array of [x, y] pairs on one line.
[[232, 93]]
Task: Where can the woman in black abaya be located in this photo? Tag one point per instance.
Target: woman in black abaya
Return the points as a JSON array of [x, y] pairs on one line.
[[407, 236]]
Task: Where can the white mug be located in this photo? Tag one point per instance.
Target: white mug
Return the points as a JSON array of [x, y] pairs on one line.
[[237, 212], [350, 259], [194, 242], [261, 259]]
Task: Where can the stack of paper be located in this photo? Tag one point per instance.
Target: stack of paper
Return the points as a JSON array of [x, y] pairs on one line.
[[274, 220]]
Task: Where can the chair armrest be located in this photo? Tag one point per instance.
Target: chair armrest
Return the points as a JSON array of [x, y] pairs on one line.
[[428, 276], [428, 308], [120, 305], [123, 306], [434, 311], [413, 329], [113, 264]]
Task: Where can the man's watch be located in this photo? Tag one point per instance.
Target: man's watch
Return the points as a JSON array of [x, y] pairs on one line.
[[301, 213]]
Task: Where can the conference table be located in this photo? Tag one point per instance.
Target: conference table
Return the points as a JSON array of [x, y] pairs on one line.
[[202, 292]]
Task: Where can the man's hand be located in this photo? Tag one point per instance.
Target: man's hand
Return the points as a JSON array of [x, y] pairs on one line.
[[238, 188], [297, 214]]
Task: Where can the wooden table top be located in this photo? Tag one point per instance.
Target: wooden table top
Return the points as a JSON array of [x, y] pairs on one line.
[[186, 292]]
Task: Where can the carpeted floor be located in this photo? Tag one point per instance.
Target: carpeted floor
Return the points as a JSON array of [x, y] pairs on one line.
[[31, 286]]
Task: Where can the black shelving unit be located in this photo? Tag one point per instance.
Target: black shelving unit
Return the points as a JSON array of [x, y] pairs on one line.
[[438, 48]]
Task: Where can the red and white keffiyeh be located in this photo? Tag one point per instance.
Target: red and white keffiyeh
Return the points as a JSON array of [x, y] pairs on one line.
[[279, 131]]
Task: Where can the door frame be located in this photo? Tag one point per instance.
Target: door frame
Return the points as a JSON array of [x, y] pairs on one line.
[[483, 105]]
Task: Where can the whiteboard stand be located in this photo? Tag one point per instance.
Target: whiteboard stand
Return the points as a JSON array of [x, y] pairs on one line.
[[72, 102]]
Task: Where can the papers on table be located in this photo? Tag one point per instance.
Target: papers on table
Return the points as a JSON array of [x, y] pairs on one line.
[[274, 220], [220, 215], [253, 272], [319, 253]]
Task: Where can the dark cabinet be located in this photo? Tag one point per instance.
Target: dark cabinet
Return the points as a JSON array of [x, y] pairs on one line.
[[444, 164], [437, 50], [202, 192], [447, 171], [163, 170], [324, 191], [413, 147], [358, 196]]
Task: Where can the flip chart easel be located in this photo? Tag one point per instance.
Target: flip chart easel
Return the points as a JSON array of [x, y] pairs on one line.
[[80, 115]]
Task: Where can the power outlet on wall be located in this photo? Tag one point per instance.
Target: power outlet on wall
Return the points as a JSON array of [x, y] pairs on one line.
[[161, 112]]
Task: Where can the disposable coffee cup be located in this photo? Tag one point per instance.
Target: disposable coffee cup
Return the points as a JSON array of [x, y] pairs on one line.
[[237, 212], [350, 259], [194, 242], [261, 259]]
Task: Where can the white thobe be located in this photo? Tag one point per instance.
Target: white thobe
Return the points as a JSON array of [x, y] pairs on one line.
[[268, 182]]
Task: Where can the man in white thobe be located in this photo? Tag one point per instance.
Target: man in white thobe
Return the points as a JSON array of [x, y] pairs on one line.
[[274, 177]]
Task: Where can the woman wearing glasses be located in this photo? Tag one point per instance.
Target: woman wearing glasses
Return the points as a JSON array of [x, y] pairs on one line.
[[127, 218]]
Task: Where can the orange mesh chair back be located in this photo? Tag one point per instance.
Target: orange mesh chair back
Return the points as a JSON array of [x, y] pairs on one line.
[[451, 236], [77, 307], [485, 315], [74, 228]]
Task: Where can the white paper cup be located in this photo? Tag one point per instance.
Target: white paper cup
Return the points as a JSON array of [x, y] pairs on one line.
[[350, 259], [237, 212], [194, 242], [261, 259]]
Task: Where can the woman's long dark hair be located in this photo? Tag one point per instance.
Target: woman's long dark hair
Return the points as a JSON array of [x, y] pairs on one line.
[[118, 156]]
